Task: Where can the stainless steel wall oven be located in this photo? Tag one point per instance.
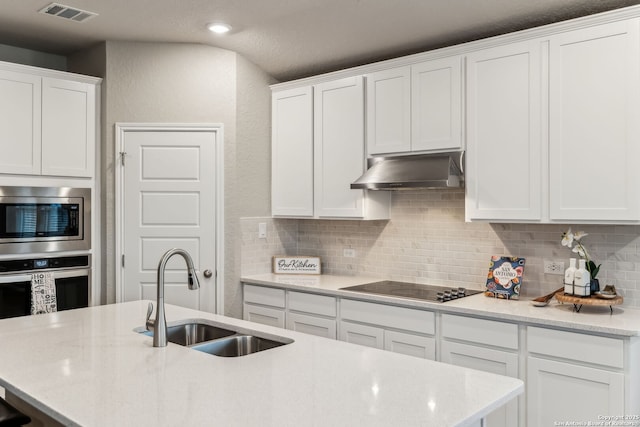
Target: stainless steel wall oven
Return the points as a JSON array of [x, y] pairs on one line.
[[44, 219], [71, 275]]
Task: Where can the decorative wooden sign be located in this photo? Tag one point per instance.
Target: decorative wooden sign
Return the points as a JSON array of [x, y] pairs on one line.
[[296, 265]]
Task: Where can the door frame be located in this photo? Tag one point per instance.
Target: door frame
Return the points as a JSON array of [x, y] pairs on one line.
[[120, 130]]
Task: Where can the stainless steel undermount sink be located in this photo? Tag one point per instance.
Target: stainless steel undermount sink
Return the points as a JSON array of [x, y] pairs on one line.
[[204, 336], [193, 333], [237, 345]]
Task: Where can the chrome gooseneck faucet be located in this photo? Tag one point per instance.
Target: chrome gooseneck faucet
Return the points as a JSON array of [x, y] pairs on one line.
[[159, 326]]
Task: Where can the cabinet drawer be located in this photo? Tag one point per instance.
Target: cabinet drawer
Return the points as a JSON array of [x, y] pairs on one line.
[[388, 316], [309, 303], [312, 325], [264, 315], [365, 335], [265, 296], [576, 346], [409, 344], [481, 331]]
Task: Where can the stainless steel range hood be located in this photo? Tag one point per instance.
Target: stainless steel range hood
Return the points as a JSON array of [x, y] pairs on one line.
[[442, 170]]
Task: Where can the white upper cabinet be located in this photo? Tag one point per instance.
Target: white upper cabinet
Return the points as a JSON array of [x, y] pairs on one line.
[[389, 111], [47, 125], [318, 151], [415, 108], [503, 176], [436, 105], [339, 148], [68, 128], [20, 107], [594, 128], [292, 153]]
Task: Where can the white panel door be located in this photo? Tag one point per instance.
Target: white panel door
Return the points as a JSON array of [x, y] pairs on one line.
[[68, 128], [487, 360], [389, 111], [563, 391], [169, 202], [20, 109], [594, 124], [292, 153], [504, 148], [436, 105], [339, 147]]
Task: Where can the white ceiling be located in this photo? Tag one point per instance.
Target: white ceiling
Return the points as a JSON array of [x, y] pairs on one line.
[[289, 38]]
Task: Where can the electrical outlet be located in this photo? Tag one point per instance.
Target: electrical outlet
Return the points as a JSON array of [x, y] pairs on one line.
[[553, 267], [262, 230], [349, 252]]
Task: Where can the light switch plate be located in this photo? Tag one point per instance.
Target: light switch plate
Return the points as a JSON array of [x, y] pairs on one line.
[[262, 230]]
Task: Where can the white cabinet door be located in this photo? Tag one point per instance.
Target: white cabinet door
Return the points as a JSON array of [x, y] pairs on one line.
[[20, 108], [558, 391], [410, 344], [355, 333], [389, 111], [594, 126], [68, 128], [264, 315], [436, 105], [292, 153], [504, 166], [339, 147], [487, 360], [312, 325]]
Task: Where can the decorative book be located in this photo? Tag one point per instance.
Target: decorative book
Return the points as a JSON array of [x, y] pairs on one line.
[[505, 277]]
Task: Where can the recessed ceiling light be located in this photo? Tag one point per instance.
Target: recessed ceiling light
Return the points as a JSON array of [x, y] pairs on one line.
[[219, 28]]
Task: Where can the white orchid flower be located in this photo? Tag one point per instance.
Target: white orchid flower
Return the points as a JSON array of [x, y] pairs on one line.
[[579, 249], [567, 239], [579, 235]]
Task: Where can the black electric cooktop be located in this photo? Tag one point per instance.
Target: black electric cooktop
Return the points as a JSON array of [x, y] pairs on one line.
[[412, 290]]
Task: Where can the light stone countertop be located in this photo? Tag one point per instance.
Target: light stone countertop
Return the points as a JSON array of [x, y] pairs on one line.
[[88, 367], [623, 322]]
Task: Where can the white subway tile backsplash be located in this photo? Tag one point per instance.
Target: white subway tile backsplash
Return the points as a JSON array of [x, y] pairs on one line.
[[427, 241]]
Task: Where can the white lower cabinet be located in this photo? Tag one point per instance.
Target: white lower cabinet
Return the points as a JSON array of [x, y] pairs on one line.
[[312, 325], [485, 345], [569, 376], [398, 329], [574, 377], [264, 305], [264, 315], [355, 333], [410, 344], [562, 391]]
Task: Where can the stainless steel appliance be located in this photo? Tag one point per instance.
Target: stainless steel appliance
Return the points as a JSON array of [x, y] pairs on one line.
[[412, 291], [72, 276], [44, 219], [441, 170]]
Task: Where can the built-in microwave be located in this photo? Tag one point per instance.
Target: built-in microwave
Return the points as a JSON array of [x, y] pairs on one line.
[[44, 219]]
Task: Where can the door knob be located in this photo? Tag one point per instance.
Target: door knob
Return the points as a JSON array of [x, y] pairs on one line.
[[207, 273]]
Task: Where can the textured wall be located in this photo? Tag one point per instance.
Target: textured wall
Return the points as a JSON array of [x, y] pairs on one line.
[[249, 192], [187, 83], [427, 241]]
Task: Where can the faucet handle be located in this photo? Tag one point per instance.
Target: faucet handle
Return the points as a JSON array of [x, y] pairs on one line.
[[149, 323]]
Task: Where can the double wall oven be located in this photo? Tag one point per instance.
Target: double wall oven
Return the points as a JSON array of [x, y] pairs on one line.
[[44, 230]]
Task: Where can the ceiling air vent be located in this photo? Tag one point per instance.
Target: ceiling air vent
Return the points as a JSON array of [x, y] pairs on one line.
[[67, 12]]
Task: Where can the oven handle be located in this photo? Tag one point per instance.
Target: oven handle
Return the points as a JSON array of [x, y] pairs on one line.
[[61, 274]]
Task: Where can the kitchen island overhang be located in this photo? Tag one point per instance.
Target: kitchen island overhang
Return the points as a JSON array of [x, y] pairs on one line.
[[88, 367]]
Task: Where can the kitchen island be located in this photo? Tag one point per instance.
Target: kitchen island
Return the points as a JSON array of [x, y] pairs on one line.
[[88, 367]]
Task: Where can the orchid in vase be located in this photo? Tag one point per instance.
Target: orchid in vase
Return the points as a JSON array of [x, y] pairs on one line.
[[574, 241]]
